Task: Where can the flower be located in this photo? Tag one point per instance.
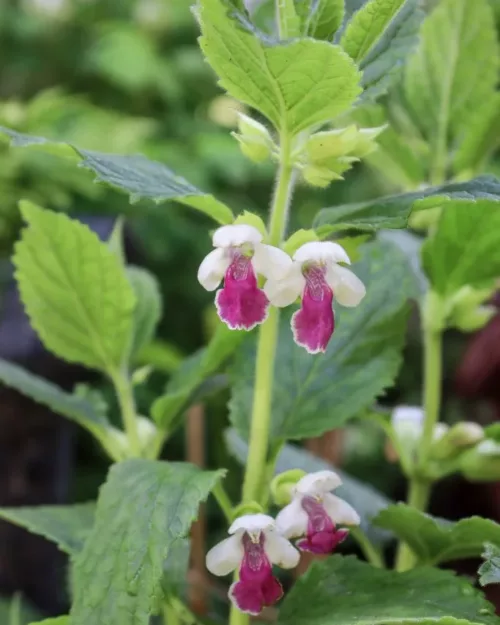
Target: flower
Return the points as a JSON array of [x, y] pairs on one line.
[[316, 275], [254, 546], [238, 257], [315, 513]]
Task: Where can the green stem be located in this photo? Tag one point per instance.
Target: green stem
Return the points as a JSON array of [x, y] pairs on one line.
[[370, 551], [170, 616], [223, 500], [286, 17], [420, 487], [123, 388]]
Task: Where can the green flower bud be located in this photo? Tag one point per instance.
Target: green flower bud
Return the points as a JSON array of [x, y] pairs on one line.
[[482, 462], [119, 443], [250, 507], [283, 484], [465, 309], [473, 320], [459, 437], [254, 139]]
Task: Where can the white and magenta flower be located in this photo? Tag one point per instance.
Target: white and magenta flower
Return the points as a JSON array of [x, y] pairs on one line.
[[239, 256], [316, 276], [253, 547], [315, 513]]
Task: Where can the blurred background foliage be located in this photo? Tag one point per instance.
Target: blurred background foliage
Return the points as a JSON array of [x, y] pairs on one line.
[[127, 76]]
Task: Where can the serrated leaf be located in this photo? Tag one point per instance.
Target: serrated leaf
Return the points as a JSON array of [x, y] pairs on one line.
[[321, 18], [489, 571], [464, 249], [148, 309], [393, 211], [193, 372], [367, 26], [433, 540], [144, 507], [74, 290], [345, 591], [76, 408], [367, 501], [175, 567], [295, 85], [139, 177], [454, 70], [363, 357], [67, 526]]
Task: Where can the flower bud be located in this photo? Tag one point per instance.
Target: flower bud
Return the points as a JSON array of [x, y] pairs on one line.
[[120, 444], [283, 484], [482, 462], [254, 139], [457, 439], [466, 311], [249, 507]]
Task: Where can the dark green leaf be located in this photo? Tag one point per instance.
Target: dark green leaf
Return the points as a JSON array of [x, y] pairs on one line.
[[136, 175], [367, 501], [143, 509], [464, 248], [345, 591], [175, 568], [148, 309], [489, 571], [393, 211], [316, 393], [433, 540], [67, 526]]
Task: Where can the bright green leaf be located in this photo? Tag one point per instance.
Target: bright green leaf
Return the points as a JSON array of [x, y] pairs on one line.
[[434, 541], [321, 18], [367, 501], [58, 620], [148, 309], [78, 409], [489, 571], [363, 357], [367, 26], [464, 248], [345, 591], [144, 507], [67, 526], [74, 290], [295, 85], [136, 175], [454, 71], [393, 211], [193, 372]]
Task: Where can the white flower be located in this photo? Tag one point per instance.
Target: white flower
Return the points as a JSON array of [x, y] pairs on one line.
[[317, 277], [253, 547], [238, 257], [314, 513]]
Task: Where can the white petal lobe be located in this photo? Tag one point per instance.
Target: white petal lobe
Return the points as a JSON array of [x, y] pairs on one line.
[[292, 519], [271, 262], [226, 556], [284, 292], [318, 483], [236, 234], [340, 511], [280, 551], [212, 269], [251, 523], [322, 251], [347, 288]]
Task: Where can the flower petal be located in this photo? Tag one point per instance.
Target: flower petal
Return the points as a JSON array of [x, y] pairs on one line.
[[236, 234], [247, 597], [285, 291], [414, 414], [292, 520], [322, 252], [251, 523], [313, 324], [280, 551], [318, 483], [339, 511], [212, 269], [271, 262], [347, 288], [226, 556]]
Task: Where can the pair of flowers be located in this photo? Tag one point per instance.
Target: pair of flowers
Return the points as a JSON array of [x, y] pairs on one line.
[[314, 274], [258, 541]]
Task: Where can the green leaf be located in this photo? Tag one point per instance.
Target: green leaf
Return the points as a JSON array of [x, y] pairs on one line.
[[345, 591], [433, 540], [367, 501], [139, 177], [58, 620], [74, 290], [167, 410], [76, 408], [464, 248], [322, 18], [144, 507], [148, 309], [393, 211], [295, 85], [16, 610], [363, 357], [175, 568], [455, 69], [489, 571], [367, 26], [67, 526]]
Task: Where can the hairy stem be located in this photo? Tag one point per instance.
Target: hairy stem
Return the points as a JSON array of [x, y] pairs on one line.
[[370, 551], [420, 487], [223, 500], [124, 393]]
